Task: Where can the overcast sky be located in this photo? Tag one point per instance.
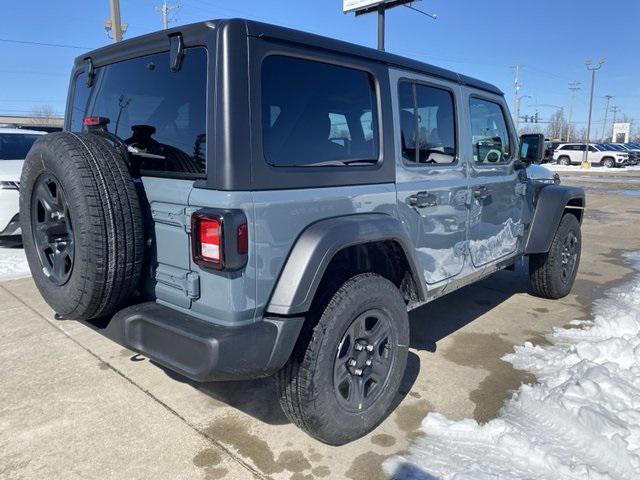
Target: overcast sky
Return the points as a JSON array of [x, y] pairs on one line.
[[481, 38]]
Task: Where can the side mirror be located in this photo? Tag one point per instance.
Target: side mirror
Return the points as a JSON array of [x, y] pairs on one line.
[[532, 148]]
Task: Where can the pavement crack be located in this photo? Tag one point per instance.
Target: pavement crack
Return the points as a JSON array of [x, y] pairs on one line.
[[195, 428]]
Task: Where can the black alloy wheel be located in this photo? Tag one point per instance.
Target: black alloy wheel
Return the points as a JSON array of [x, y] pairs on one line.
[[52, 229], [569, 256], [363, 361]]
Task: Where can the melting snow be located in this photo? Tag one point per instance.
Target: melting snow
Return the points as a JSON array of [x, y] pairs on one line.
[[13, 263], [580, 421]]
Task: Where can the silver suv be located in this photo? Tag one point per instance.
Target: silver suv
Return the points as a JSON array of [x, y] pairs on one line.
[[236, 200]]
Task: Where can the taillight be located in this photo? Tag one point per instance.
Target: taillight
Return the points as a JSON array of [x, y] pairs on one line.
[[220, 239], [208, 243]]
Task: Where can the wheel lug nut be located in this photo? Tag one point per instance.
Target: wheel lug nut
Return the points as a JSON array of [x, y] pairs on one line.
[[358, 372], [352, 362], [369, 347], [368, 363], [358, 347]]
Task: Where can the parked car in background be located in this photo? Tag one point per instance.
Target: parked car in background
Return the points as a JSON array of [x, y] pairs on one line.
[[634, 152], [15, 143], [573, 153]]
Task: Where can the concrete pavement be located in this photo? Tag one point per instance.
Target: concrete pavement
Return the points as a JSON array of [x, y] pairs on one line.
[[75, 405]]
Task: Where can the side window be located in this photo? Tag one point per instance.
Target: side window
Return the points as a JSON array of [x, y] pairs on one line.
[[490, 135], [427, 124], [159, 114], [592, 148], [317, 114]]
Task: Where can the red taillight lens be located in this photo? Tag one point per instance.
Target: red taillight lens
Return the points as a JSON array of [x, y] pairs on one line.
[[243, 239], [210, 240], [208, 244]]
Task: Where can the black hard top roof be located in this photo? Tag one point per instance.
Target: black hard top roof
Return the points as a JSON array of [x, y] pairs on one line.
[[283, 34]]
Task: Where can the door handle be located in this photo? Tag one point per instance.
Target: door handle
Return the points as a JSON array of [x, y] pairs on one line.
[[481, 192], [422, 200]]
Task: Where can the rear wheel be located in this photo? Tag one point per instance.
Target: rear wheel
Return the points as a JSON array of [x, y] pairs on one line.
[[564, 161], [552, 274], [344, 374], [81, 223]]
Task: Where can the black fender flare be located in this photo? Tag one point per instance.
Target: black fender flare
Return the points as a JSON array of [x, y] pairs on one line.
[[316, 247], [552, 202]]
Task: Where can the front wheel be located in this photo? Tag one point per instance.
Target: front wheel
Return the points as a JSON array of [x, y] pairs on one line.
[[608, 162], [552, 274], [343, 378]]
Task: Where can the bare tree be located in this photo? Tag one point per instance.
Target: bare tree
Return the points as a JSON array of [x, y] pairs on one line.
[[557, 126], [526, 128], [44, 115]]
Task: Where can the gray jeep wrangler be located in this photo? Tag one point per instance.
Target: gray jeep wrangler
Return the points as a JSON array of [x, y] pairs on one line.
[[235, 200]]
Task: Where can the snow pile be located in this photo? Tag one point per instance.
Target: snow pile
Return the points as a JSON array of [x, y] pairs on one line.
[[580, 421], [13, 263]]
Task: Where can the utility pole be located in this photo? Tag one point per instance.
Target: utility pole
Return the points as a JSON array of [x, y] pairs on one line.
[[516, 99], [116, 22], [606, 114], [165, 9], [615, 111], [593, 69], [574, 87]]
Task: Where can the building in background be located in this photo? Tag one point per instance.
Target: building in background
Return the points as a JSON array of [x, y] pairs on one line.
[[33, 122], [621, 132]]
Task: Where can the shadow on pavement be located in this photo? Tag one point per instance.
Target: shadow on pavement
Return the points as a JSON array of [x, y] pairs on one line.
[[442, 317]]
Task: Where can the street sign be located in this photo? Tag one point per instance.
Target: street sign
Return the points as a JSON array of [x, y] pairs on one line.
[[366, 6]]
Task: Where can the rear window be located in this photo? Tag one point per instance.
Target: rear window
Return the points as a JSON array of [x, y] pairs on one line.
[[317, 114], [15, 146], [159, 114]]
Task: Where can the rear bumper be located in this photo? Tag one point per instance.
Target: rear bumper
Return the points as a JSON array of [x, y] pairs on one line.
[[200, 350]]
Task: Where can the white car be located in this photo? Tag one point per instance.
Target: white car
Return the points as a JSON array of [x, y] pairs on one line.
[[573, 154], [15, 143]]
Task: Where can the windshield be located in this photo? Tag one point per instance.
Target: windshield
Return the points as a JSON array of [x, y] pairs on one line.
[[15, 146]]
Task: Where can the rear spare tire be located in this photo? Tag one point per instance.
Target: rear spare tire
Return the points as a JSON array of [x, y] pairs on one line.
[[81, 223]]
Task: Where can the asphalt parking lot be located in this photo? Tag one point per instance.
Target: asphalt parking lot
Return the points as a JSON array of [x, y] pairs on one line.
[[75, 405]]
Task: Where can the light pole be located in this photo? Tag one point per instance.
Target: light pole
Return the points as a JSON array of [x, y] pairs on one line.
[[593, 69]]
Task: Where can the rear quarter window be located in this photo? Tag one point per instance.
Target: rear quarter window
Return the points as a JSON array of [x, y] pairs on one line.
[[159, 114], [317, 114]]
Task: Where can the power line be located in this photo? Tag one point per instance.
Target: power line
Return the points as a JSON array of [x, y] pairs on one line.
[[43, 44]]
